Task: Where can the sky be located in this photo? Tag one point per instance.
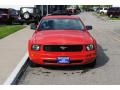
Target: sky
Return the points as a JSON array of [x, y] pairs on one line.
[[17, 7]]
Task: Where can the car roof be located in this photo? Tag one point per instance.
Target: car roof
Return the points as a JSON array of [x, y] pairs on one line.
[[7, 9], [61, 17], [3, 8]]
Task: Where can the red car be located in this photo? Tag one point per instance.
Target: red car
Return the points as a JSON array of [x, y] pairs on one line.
[[62, 40]]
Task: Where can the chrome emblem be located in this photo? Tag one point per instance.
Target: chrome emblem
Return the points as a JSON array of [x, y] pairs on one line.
[[63, 47]]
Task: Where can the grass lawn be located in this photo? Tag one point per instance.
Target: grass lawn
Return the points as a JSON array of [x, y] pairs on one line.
[[6, 30], [114, 18], [105, 16]]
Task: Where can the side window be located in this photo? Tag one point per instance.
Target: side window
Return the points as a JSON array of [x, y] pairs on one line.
[[101, 8], [113, 9], [3, 11], [110, 9], [13, 12], [105, 8], [117, 9]]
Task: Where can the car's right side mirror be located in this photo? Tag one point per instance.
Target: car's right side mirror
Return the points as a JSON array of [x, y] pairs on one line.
[[33, 26], [89, 27]]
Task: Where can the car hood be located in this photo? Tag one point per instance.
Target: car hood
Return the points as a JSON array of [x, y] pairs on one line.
[[62, 37]]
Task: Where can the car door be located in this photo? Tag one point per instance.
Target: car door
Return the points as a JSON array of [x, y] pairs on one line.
[[119, 12]]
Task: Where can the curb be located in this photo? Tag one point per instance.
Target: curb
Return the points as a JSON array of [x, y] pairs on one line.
[[18, 71]]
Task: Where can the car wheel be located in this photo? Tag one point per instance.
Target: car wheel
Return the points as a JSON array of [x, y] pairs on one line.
[[27, 23], [26, 15], [10, 22], [21, 23], [32, 64], [117, 16], [110, 15], [92, 64], [102, 13]]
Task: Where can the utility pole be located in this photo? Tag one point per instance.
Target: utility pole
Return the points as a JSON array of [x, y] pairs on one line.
[[47, 9], [42, 10]]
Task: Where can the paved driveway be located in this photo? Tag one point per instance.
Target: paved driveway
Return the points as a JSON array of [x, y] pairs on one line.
[[12, 50]]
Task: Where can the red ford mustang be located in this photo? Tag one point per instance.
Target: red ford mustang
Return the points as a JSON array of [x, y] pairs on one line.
[[60, 41]]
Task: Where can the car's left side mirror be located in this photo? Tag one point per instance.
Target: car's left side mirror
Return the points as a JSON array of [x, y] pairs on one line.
[[89, 27], [33, 26]]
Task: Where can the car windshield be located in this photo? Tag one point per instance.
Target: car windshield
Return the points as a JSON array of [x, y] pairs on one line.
[[30, 10], [61, 24]]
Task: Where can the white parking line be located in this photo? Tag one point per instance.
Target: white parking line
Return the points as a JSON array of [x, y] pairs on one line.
[[16, 71]]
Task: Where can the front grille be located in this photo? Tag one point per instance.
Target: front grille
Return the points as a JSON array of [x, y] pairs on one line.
[[63, 48]]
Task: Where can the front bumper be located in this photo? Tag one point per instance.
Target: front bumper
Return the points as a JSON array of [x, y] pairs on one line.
[[50, 58]]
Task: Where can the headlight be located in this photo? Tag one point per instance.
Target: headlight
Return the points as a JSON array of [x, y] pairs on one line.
[[36, 47], [90, 47]]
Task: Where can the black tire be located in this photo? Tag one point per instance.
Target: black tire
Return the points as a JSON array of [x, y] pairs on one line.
[[92, 65], [21, 23], [28, 23], [26, 15], [10, 22], [102, 13], [117, 16], [32, 64]]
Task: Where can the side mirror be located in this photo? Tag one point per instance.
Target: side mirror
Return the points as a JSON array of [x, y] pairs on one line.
[[89, 27], [33, 26]]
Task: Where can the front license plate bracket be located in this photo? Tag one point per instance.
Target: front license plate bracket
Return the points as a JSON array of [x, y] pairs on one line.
[[63, 60]]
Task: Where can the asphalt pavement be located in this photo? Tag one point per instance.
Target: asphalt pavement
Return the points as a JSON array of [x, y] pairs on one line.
[[12, 50], [106, 71]]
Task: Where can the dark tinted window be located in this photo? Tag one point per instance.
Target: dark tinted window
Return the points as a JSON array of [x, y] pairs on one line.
[[13, 12], [60, 12], [114, 9], [3, 11], [105, 9], [110, 9], [61, 24], [25, 9]]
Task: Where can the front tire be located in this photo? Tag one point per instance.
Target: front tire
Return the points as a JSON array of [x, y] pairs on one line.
[[9, 22], [92, 65], [32, 64], [102, 13], [21, 23], [111, 16], [28, 23]]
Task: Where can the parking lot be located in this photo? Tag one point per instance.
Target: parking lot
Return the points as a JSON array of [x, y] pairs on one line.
[[106, 71]]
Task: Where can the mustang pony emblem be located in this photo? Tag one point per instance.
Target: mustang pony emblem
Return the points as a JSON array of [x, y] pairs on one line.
[[63, 47]]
